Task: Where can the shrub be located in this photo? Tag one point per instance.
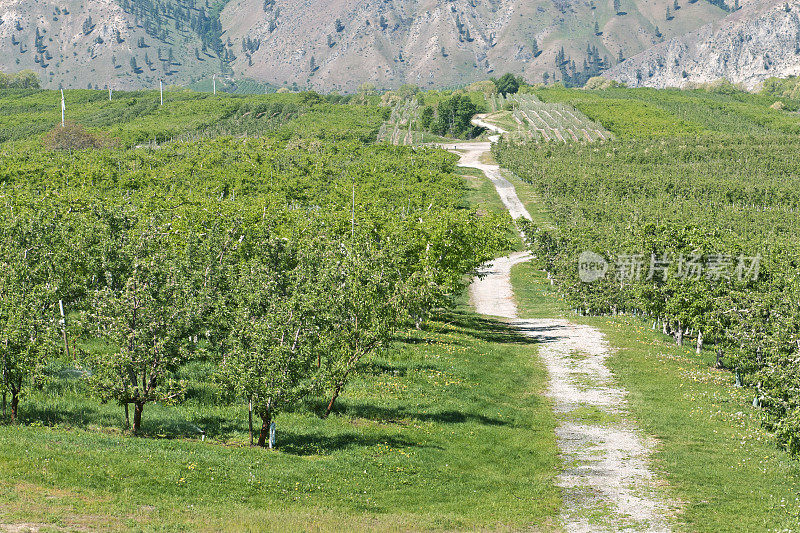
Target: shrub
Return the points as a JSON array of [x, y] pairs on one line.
[[599, 83], [73, 136], [24, 79], [507, 84]]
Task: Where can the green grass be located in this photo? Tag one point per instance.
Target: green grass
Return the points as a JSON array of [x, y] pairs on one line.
[[589, 414], [504, 120], [481, 191], [724, 470], [447, 431], [536, 298], [713, 453]]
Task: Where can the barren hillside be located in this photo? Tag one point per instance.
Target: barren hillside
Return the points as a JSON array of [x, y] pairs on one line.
[[757, 42], [330, 45]]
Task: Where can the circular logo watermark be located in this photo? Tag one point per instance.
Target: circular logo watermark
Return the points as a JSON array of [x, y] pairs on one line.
[[591, 267]]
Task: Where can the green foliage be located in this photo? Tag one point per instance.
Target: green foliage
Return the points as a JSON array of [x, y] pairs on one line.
[[148, 307], [24, 79], [454, 116], [674, 199], [650, 113], [272, 336], [39, 268], [377, 237], [426, 117], [507, 84]]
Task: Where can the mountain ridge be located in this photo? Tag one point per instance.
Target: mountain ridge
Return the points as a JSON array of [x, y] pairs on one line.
[[132, 44], [759, 41]]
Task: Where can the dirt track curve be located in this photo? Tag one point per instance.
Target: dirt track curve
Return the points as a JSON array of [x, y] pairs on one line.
[[607, 484]]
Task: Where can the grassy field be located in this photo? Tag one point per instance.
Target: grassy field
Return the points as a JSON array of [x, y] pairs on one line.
[[723, 469], [649, 113], [481, 192], [455, 436]]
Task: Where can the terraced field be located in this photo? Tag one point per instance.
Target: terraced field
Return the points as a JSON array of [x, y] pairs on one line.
[[399, 129], [530, 118]]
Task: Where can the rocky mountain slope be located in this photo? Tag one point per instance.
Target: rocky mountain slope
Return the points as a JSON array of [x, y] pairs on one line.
[[759, 41], [330, 44], [127, 44], [339, 44]]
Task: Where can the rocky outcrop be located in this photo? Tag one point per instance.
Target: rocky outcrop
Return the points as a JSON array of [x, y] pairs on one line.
[[759, 41], [339, 44]]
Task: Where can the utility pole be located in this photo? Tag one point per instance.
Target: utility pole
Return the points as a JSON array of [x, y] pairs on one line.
[[214, 81], [353, 213], [63, 107], [250, 419], [109, 93], [64, 326], [161, 87]]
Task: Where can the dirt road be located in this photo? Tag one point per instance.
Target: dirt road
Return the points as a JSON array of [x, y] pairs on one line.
[[607, 483]]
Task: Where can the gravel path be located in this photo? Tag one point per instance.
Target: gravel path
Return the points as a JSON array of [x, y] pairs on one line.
[[607, 484], [472, 156]]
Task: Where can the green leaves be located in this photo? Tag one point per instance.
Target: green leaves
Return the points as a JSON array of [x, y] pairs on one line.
[[688, 212], [37, 268], [284, 263]]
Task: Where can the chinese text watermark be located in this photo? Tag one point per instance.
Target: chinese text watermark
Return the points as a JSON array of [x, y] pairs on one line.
[[637, 267]]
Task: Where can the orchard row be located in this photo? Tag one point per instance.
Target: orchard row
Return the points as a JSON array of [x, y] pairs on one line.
[[283, 263], [689, 210]]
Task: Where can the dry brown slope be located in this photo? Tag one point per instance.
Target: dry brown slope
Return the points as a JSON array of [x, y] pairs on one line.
[[75, 59], [420, 41], [759, 41]]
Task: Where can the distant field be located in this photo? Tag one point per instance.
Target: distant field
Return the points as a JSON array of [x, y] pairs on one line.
[[526, 117], [654, 113], [137, 117]]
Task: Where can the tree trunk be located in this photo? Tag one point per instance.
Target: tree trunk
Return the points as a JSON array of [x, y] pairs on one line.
[[138, 407], [335, 395], [699, 341], [250, 419], [679, 335], [14, 405], [266, 420], [719, 358], [666, 328], [127, 417]]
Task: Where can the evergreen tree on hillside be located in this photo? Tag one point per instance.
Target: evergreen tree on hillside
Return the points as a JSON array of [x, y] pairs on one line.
[[535, 48], [507, 84]]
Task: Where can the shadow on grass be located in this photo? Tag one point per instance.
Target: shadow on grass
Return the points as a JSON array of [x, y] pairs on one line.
[[68, 411], [480, 328], [31, 413], [316, 444], [379, 368], [403, 415], [154, 424]]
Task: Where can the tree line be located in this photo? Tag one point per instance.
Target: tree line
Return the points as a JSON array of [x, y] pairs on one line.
[[284, 265], [699, 237]]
